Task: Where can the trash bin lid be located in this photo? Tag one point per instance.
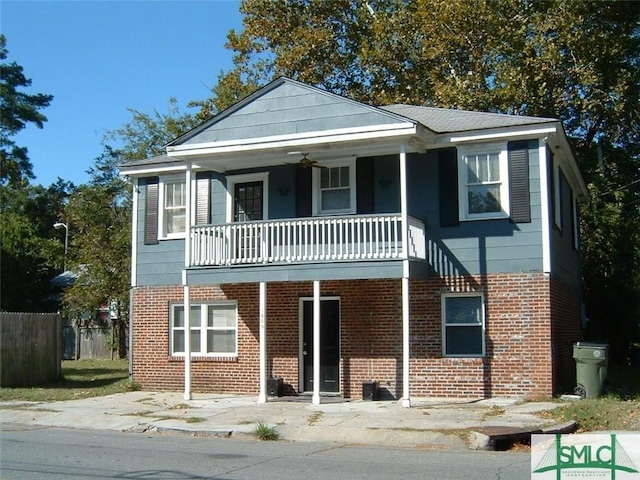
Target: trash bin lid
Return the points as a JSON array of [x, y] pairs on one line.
[[592, 345]]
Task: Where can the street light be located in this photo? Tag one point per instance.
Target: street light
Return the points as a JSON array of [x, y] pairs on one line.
[[58, 226]]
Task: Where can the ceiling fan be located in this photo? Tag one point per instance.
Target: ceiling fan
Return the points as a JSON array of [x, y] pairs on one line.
[[305, 161]]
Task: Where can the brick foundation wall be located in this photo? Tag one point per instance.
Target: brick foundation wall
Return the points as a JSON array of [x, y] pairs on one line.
[[518, 328]]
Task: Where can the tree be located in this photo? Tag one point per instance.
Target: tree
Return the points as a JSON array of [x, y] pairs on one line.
[[145, 135], [569, 59], [100, 213], [31, 252], [17, 109]]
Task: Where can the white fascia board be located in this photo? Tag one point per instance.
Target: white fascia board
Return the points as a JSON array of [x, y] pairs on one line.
[[156, 170], [152, 169], [294, 140], [498, 134]]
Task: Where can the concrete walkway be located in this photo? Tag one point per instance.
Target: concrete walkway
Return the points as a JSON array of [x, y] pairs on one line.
[[429, 423]]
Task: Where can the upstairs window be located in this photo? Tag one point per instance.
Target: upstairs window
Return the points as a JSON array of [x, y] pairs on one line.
[[174, 209], [483, 185], [335, 188], [165, 205]]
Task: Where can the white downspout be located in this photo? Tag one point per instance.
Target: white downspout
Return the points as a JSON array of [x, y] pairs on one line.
[[262, 398], [134, 232], [406, 401], [315, 399], [134, 266], [187, 297]]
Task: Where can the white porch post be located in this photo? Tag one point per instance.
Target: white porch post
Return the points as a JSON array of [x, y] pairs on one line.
[[187, 341], [406, 401], [262, 398], [315, 399], [187, 297]]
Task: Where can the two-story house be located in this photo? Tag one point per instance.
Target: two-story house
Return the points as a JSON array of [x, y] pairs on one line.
[[304, 236]]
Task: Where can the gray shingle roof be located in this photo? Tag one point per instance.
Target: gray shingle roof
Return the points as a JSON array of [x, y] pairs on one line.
[[444, 120], [159, 160]]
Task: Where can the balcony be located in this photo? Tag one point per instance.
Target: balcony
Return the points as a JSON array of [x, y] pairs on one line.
[[307, 240]]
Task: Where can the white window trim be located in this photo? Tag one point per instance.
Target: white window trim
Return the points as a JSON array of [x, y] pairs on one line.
[[315, 194], [444, 324], [246, 178], [162, 234], [463, 199], [203, 330]]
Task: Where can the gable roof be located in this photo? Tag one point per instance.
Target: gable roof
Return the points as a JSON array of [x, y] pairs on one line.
[[444, 120], [287, 107]]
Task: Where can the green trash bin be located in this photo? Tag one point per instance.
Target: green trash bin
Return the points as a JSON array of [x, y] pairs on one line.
[[591, 368]]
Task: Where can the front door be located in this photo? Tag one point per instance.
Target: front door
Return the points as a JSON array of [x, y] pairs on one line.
[[329, 345], [248, 205]]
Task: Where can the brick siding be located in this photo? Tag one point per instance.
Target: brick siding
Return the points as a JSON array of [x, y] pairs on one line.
[[530, 320]]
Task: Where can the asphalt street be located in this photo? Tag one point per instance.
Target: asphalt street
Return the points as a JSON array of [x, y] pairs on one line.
[[30, 452]]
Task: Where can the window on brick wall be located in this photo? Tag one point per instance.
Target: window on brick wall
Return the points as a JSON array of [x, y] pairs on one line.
[[214, 329], [463, 325]]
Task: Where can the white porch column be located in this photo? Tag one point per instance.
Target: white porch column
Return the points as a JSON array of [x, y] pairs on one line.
[[406, 401], [262, 398], [187, 295], [187, 340], [316, 343]]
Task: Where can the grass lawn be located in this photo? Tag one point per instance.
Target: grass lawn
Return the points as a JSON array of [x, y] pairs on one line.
[[617, 409], [80, 379]]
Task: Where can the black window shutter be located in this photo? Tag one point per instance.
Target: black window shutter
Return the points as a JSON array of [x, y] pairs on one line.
[[303, 192], [203, 196], [150, 210], [520, 203], [365, 175], [448, 187]]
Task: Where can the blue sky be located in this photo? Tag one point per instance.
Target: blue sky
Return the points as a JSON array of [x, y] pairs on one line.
[[98, 58]]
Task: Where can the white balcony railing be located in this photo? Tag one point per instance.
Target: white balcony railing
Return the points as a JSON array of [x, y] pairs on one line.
[[369, 237]]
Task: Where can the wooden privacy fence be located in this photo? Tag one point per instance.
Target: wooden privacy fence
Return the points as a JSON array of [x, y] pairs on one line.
[[30, 349], [86, 342]]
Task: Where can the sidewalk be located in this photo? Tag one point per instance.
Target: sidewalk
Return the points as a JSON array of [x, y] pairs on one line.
[[429, 423]]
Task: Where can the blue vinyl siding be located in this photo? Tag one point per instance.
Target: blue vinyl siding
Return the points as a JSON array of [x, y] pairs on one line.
[[481, 246], [565, 259], [159, 264], [473, 247]]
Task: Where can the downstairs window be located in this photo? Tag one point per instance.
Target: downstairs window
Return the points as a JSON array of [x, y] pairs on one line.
[[463, 325], [213, 329]]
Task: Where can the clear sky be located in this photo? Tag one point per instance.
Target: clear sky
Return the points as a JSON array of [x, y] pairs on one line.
[[98, 58]]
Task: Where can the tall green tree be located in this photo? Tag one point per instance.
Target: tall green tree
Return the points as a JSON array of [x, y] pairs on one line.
[[17, 109], [145, 135], [576, 60], [100, 213], [31, 250]]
